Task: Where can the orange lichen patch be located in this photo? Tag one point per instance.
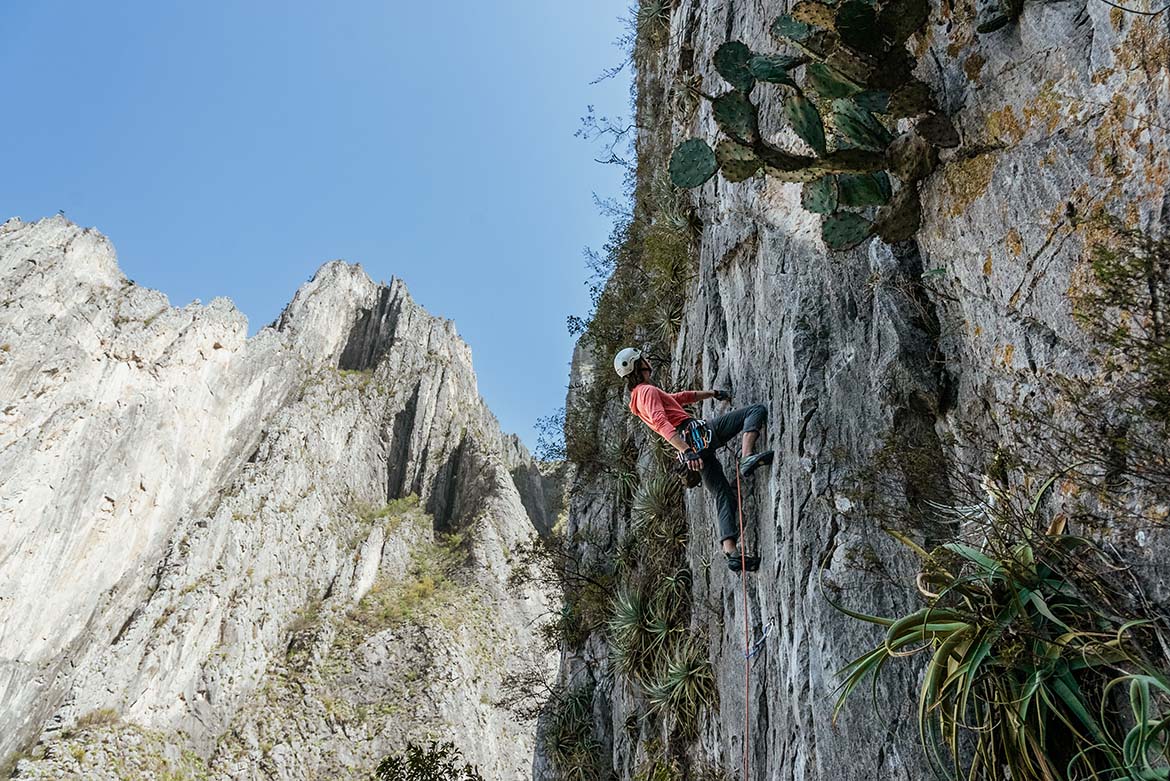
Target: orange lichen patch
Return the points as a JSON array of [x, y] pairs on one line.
[[1015, 299], [1002, 125], [967, 180], [1015, 243], [921, 42], [1008, 351], [1109, 139], [1046, 109], [1115, 17], [987, 266], [978, 330], [973, 65], [1101, 75], [1147, 46], [962, 30]]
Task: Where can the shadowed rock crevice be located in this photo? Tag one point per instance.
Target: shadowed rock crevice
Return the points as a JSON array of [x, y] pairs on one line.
[[373, 333], [397, 459]]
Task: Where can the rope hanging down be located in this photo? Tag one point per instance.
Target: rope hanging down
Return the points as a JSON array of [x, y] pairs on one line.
[[747, 662]]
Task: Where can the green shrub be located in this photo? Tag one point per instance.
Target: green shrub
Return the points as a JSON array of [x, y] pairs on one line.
[[430, 584], [436, 762]]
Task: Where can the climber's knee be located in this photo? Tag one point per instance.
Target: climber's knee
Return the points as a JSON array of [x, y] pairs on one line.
[[757, 417]]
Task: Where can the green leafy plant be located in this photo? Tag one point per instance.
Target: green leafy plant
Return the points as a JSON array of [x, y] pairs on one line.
[[1025, 649], [854, 68], [436, 762]]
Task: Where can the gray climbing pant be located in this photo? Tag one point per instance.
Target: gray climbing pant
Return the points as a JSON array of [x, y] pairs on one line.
[[723, 428]]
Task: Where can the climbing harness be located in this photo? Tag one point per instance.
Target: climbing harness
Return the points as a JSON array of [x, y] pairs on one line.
[[697, 434]]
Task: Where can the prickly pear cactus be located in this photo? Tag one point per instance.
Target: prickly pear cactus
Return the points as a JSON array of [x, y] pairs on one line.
[[843, 230], [848, 79], [820, 195], [693, 163]]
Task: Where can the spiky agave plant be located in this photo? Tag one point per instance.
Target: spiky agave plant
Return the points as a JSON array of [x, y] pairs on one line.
[[630, 636], [1024, 651], [657, 511], [684, 685], [569, 738]]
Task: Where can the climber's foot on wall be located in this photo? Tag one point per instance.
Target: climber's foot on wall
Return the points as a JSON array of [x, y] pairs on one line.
[[748, 464], [736, 560]]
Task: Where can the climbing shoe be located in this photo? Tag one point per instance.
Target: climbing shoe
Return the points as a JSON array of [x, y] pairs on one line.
[[748, 464], [737, 560]]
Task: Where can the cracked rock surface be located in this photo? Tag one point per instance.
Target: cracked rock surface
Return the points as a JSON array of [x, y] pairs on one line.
[[1064, 113]]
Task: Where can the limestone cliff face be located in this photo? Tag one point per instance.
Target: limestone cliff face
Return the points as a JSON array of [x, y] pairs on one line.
[[200, 544], [1066, 112]]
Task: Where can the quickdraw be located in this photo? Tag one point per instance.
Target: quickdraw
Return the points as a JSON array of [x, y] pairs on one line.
[[697, 434]]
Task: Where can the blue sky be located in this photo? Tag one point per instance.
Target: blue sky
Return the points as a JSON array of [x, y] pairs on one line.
[[231, 148]]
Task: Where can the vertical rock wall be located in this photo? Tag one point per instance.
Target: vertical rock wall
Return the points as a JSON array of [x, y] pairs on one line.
[[1062, 114]]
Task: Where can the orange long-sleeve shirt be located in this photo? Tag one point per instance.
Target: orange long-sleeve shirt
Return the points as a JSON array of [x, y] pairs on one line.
[[660, 410]]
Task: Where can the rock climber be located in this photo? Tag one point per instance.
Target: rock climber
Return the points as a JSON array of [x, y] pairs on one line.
[[697, 441]]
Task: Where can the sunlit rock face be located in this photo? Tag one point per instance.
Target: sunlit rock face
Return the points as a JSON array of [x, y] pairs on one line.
[[1062, 114], [280, 556]]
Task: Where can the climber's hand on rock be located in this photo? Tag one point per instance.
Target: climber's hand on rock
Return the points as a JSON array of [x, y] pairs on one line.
[[722, 395]]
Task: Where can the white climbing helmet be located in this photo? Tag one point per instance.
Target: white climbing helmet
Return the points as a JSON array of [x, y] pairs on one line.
[[625, 360]]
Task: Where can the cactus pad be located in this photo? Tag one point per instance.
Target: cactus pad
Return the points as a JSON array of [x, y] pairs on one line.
[[938, 130], [902, 18], [858, 190], [900, 219], [854, 66], [731, 60], [738, 162], [773, 68], [827, 83], [852, 161], [857, 25], [911, 158], [895, 69], [805, 120], [789, 29], [692, 163], [787, 167], [911, 100], [820, 196], [874, 101], [844, 230], [859, 128], [814, 13], [737, 116]]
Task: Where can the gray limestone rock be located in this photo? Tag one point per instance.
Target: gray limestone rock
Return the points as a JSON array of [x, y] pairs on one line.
[[1062, 114], [191, 519]]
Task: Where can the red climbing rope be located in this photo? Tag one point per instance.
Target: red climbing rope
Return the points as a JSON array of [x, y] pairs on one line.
[[747, 662]]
